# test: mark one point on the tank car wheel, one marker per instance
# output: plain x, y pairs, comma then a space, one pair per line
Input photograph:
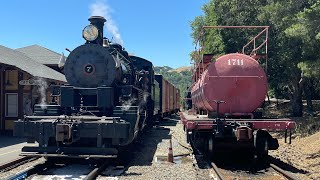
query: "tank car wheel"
188, 136
210, 147
261, 145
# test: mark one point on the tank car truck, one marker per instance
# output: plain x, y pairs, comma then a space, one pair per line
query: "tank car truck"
225, 95
107, 102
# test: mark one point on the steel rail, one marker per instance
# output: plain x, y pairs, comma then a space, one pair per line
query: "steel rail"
28, 171
216, 170
96, 171
282, 172
16, 162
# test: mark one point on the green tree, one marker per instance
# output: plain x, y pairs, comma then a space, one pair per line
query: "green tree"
293, 39
289, 48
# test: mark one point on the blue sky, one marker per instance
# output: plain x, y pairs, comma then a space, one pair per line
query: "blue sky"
156, 30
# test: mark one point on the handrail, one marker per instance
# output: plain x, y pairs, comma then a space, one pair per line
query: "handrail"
256, 49
253, 40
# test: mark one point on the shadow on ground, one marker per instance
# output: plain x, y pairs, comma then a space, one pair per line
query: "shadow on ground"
9, 141
170, 121
242, 162
286, 166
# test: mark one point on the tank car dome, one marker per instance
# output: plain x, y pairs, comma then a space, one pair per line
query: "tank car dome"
90, 65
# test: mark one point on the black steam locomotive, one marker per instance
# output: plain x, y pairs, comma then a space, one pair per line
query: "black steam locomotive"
108, 100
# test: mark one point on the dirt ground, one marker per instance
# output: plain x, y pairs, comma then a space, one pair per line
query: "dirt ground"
304, 151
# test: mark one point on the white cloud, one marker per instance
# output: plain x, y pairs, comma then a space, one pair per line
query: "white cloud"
101, 8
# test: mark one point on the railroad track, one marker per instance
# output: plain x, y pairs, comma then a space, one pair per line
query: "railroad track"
15, 163
109, 168
53, 168
50, 170
268, 169
96, 171
32, 169
225, 174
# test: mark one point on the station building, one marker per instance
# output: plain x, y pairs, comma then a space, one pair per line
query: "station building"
25, 77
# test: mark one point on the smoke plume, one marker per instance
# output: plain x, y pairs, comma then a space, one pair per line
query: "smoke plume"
101, 8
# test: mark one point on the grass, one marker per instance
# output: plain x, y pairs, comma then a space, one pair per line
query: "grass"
305, 126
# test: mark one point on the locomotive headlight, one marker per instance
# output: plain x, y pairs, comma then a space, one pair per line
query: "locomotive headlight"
90, 33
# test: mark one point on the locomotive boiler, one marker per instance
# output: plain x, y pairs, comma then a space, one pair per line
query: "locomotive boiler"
107, 102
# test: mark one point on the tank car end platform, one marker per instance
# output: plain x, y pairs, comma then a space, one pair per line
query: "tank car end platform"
214, 134
193, 121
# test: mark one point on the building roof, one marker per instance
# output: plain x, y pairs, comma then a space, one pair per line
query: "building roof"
25, 63
41, 54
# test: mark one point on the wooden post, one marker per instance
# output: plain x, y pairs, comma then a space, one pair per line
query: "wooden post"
20, 95
285, 136
170, 153
290, 133
2, 98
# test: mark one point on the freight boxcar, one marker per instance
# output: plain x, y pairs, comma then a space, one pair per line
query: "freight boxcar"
172, 98
177, 108
167, 98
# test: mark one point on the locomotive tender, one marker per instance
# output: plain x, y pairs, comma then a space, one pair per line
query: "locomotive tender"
109, 99
225, 95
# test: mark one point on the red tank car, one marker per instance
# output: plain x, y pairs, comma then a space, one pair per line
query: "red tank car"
237, 79
224, 97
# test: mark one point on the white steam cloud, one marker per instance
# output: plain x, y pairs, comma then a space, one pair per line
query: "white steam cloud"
125, 105
101, 8
42, 90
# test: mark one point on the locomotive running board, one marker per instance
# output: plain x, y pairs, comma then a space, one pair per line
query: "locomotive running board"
71, 152
67, 156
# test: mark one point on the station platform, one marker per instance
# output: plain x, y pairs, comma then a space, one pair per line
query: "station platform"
10, 148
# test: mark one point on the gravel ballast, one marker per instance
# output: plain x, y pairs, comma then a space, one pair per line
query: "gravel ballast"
149, 161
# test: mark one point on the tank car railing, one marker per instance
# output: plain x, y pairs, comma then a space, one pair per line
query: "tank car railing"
253, 41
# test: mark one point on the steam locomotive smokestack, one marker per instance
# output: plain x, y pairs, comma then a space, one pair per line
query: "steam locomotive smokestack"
98, 21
